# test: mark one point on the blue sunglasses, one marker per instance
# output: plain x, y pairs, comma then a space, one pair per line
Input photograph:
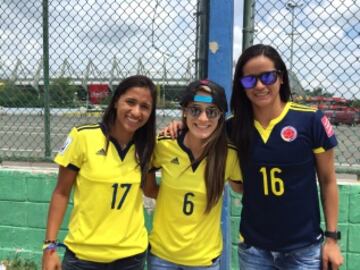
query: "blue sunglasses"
266, 78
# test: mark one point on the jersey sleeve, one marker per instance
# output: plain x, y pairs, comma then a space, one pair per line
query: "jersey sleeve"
233, 166
324, 135
72, 152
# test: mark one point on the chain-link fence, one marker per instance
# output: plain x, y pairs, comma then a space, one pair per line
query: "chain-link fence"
81, 50
320, 42
87, 47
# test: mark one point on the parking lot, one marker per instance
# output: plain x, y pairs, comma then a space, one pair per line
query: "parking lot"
22, 135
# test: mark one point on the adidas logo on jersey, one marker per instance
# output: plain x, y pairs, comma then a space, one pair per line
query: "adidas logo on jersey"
101, 152
175, 161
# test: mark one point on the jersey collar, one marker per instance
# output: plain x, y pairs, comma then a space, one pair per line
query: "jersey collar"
180, 140
121, 152
266, 132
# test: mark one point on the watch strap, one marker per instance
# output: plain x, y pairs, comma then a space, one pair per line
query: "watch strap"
336, 235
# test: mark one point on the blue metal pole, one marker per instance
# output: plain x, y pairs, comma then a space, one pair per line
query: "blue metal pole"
221, 24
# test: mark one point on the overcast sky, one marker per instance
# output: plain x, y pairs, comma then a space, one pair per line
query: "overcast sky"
155, 36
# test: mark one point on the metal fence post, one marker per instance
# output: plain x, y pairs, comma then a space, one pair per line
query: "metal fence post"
46, 78
226, 228
248, 24
202, 36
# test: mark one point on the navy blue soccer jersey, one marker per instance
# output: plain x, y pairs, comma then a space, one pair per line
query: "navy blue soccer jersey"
280, 200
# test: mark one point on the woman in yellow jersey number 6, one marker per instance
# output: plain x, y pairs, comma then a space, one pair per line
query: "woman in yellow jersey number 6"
105, 164
186, 230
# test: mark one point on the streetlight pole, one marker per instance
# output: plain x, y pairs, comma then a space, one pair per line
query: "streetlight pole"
291, 5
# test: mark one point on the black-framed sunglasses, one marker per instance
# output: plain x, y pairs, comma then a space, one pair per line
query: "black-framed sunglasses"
267, 78
211, 112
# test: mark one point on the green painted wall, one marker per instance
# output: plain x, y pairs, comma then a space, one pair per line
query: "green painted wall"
24, 198
24, 201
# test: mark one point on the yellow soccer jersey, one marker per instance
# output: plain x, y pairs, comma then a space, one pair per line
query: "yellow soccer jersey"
182, 233
107, 221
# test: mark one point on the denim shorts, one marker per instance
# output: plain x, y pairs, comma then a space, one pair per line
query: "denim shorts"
305, 258
71, 262
156, 263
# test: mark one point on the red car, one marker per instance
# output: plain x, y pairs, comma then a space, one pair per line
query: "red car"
337, 109
347, 117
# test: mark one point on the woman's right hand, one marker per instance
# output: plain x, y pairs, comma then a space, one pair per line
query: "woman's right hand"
172, 129
51, 260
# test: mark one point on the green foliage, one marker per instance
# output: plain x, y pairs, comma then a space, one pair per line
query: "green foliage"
81, 94
168, 104
63, 94
18, 263
12, 95
355, 103
318, 91
106, 101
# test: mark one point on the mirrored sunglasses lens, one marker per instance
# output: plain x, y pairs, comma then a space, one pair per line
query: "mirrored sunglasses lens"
248, 81
268, 78
195, 112
212, 113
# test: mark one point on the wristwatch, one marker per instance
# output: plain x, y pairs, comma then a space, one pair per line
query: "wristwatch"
336, 235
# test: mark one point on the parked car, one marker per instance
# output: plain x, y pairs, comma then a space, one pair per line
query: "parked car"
337, 109
346, 117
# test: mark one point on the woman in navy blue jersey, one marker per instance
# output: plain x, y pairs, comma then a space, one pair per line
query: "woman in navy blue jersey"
283, 147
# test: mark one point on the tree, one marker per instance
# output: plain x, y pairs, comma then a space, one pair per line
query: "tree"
318, 91
13, 95
355, 103
63, 94
295, 84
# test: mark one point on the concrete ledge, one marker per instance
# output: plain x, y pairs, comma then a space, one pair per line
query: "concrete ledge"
33, 167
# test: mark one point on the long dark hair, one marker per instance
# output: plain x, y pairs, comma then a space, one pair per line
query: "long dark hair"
144, 137
242, 126
215, 150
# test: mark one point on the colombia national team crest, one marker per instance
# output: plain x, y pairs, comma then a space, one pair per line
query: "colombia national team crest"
288, 133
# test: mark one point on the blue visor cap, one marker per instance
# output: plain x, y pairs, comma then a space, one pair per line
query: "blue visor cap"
216, 91
204, 99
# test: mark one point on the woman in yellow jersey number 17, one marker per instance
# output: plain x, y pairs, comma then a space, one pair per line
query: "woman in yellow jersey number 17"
106, 165
186, 230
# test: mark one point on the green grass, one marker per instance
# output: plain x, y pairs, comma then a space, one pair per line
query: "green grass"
18, 263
